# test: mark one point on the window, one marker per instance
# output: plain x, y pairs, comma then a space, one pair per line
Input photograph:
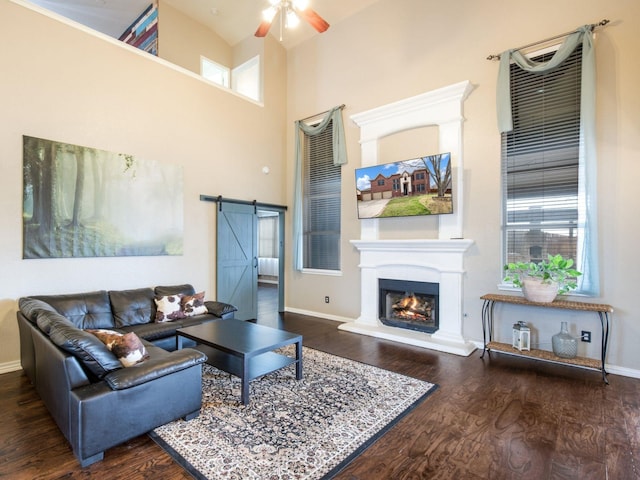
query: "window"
245, 79
540, 163
321, 200
214, 72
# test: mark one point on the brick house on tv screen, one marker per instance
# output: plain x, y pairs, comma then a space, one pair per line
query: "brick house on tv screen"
401, 184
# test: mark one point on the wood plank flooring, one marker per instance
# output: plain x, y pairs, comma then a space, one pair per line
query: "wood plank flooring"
491, 418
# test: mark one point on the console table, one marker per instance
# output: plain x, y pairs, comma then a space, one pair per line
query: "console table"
602, 310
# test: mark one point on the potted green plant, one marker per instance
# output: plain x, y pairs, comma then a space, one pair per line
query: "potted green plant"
543, 281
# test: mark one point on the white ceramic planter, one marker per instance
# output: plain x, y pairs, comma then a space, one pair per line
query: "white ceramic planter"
535, 291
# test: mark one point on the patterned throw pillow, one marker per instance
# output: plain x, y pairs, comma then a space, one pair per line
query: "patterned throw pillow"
169, 308
128, 348
193, 305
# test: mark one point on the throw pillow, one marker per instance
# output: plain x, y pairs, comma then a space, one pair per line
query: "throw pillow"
169, 308
128, 348
193, 304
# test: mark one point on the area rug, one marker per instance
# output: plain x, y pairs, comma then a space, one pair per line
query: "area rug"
291, 429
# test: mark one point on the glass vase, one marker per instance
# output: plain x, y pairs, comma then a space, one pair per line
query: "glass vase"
564, 344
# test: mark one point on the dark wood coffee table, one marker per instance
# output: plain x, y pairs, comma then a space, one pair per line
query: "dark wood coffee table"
243, 349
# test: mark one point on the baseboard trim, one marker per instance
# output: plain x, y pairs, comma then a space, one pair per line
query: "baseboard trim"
326, 316
10, 367
612, 369
623, 371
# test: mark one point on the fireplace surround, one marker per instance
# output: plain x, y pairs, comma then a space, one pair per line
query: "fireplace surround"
428, 260
439, 261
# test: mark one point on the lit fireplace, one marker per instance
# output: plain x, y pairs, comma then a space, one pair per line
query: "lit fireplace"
408, 304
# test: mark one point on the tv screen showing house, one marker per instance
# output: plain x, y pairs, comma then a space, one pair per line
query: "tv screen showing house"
419, 186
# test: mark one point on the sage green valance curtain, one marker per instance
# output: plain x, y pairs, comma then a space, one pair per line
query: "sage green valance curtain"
587, 171
588, 83
333, 117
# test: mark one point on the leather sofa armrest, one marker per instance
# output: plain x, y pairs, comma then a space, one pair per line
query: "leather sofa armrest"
220, 309
154, 368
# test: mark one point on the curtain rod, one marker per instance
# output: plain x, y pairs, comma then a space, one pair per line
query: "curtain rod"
321, 113
602, 23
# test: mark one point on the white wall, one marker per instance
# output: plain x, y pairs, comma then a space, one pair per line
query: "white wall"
400, 48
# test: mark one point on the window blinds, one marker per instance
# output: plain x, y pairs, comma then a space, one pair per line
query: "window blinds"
540, 162
322, 181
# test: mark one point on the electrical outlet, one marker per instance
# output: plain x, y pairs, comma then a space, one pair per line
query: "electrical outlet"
326, 299
585, 336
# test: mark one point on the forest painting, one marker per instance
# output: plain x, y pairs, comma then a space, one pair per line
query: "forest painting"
84, 202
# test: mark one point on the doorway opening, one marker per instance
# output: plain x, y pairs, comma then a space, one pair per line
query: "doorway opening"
269, 267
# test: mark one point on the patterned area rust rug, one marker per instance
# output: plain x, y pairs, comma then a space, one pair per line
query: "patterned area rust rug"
292, 429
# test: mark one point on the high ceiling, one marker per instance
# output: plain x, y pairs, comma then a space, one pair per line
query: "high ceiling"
233, 20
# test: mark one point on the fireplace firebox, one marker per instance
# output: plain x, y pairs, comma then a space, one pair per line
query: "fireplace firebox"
409, 304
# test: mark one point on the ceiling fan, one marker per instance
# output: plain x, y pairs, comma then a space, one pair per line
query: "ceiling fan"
290, 12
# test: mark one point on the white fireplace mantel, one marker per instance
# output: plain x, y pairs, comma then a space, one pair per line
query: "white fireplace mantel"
435, 261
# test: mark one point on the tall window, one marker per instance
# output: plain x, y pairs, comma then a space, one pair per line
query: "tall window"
321, 199
540, 163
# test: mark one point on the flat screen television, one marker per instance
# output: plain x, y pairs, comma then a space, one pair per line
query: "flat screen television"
419, 186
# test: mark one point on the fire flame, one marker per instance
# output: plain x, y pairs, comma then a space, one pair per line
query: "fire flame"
411, 307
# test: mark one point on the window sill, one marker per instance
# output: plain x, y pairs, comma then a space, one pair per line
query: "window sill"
331, 273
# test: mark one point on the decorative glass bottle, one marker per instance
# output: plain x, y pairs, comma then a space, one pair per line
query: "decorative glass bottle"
564, 344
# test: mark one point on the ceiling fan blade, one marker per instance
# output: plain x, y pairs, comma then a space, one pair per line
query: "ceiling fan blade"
315, 20
263, 28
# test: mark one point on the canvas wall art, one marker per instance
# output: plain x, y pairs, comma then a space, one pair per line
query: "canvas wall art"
85, 202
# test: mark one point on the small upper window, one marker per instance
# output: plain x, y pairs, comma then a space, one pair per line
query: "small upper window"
245, 79
214, 72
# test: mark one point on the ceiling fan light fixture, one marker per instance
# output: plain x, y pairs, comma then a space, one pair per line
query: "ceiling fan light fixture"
301, 4
291, 12
269, 13
292, 19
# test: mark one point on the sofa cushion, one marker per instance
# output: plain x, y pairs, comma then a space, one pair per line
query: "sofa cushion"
84, 310
169, 308
91, 352
192, 305
153, 331
132, 307
184, 289
127, 347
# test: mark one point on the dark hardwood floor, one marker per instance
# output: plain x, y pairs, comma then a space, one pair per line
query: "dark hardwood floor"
491, 418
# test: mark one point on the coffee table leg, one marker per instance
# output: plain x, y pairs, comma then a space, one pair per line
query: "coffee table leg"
245, 381
299, 360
